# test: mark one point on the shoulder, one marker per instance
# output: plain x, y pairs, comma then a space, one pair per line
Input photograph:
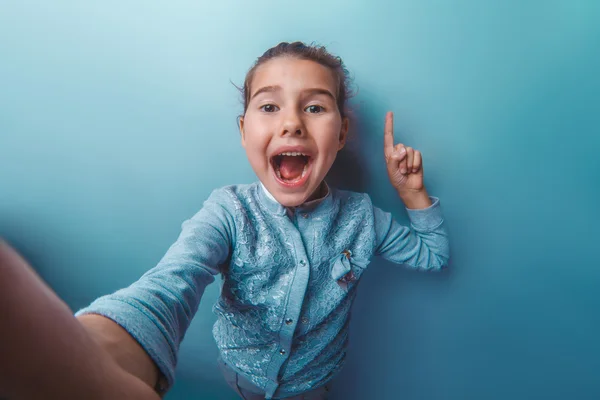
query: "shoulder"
352, 199
232, 195
222, 208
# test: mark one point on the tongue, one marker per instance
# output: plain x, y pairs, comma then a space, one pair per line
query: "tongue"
291, 167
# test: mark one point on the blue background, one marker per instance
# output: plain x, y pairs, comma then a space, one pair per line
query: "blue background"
118, 118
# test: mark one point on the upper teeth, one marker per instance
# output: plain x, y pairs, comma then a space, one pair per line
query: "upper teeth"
292, 153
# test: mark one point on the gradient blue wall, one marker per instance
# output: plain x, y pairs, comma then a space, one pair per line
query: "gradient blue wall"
117, 119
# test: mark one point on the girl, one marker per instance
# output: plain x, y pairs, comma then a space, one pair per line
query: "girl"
290, 251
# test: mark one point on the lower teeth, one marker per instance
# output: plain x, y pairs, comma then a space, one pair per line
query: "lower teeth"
278, 173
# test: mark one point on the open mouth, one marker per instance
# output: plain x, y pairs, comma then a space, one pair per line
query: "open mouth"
291, 167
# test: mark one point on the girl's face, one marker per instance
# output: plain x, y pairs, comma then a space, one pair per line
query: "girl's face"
292, 129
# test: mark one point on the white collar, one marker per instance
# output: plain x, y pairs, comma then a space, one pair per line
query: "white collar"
311, 203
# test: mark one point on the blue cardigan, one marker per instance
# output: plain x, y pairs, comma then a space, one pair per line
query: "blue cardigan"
288, 281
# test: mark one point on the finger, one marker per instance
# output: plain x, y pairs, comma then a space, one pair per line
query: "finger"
418, 161
400, 149
388, 138
397, 156
410, 155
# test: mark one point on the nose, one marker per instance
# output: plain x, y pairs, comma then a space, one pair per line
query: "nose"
292, 124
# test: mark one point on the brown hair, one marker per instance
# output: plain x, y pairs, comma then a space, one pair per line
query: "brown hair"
316, 53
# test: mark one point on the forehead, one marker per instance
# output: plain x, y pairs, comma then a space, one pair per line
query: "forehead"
293, 74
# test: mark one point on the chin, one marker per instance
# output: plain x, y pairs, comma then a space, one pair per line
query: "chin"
295, 192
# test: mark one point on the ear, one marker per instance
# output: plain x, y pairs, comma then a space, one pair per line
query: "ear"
343, 133
241, 126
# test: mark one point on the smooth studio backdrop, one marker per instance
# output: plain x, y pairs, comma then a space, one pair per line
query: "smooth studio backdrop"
117, 119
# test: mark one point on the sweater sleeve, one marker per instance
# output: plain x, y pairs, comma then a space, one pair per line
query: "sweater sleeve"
422, 245
158, 308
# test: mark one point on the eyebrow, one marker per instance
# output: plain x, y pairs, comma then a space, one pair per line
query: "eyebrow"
312, 91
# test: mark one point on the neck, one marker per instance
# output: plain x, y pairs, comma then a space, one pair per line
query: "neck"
318, 193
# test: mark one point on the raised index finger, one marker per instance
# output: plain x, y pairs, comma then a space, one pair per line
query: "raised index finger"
388, 138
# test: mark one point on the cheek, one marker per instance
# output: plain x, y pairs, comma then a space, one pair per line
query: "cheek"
331, 139
329, 149
256, 147
256, 122
327, 128
256, 129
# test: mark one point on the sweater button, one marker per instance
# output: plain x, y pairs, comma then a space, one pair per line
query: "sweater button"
289, 321
282, 351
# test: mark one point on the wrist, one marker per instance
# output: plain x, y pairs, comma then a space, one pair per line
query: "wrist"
415, 199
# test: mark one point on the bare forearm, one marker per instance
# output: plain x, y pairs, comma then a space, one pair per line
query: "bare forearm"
416, 200
46, 352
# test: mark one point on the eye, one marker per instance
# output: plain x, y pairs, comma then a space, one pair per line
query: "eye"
314, 109
269, 108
